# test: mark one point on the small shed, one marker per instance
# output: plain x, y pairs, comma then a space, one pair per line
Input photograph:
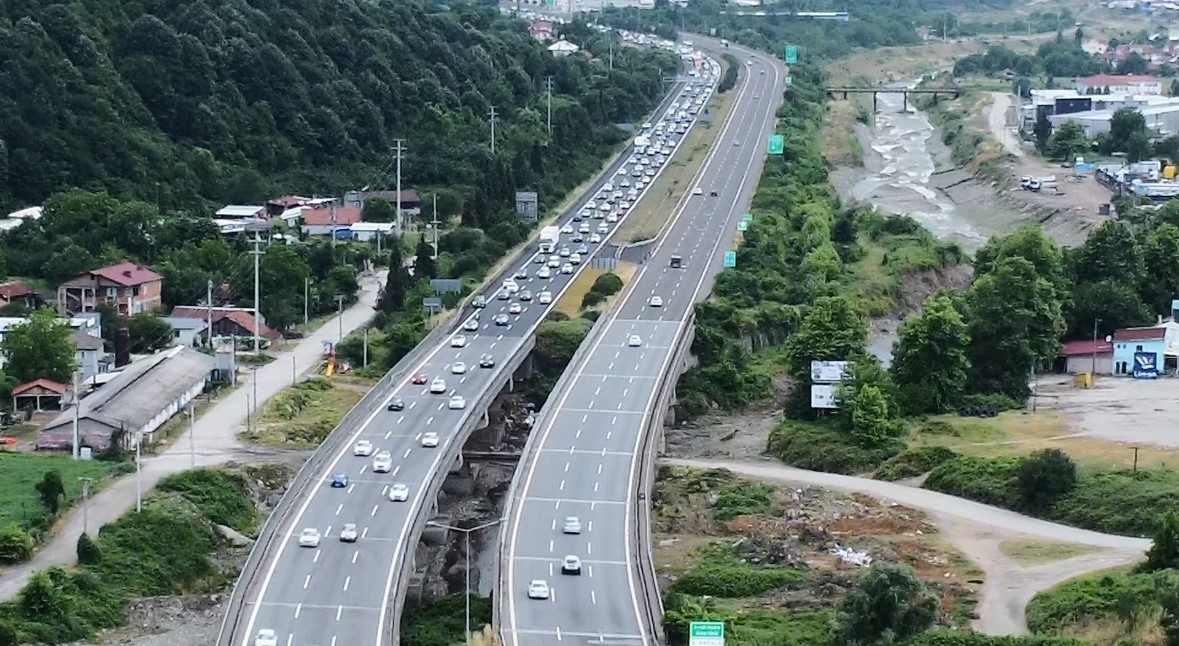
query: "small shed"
39, 394
1084, 356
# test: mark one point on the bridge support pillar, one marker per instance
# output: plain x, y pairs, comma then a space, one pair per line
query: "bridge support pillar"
458, 463
874, 108
904, 101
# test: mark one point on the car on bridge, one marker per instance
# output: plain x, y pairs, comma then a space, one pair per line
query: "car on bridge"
487, 361
419, 379
399, 492
538, 589
472, 325
572, 525
571, 565
339, 481
309, 537
383, 463
458, 402
363, 448
458, 341
397, 404
634, 341
430, 440
458, 368
349, 533
266, 637
438, 386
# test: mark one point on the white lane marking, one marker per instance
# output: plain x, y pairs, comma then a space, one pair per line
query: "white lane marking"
339, 611
339, 508
355, 555
347, 582
306, 581
375, 508
298, 609
315, 559
406, 455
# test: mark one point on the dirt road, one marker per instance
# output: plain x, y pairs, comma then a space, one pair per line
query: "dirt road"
997, 119
976, 529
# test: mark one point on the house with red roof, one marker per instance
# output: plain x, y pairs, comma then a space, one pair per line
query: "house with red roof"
129, 287
18, 292
1081, 357
227, 321
324, 220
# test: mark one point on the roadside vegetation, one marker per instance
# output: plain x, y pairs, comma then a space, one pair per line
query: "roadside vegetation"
441, 622
171, 547
304, 414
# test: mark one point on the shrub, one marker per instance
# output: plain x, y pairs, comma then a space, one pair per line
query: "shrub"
740, 499
734, 581
592, 298
821, 448
607, 284
962, 638
1119, 502
219, 495
8, 636
986, 480
441, 622
1114, 594
15, 545
88, 551
887, 604
1044, 477
1164, 550
914, 462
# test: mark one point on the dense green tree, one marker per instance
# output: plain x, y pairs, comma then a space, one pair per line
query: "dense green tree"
1160, 259
930, 364
149, 332
379, 210
397, 283
1068, 141
1164, 548
1014, 319
1111, 253
886, 606
832, 330
1028, 243
1116, 305
40, 348
1044, 477
424, 265
50, 489
281, 272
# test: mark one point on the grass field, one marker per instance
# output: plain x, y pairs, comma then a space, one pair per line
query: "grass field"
19, 502
570, 303
1021, 433
652, 212
304, 414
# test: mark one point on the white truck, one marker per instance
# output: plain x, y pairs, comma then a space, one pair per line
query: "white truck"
549, 237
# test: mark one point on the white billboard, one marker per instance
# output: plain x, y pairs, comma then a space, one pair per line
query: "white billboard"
824, 396
828, 372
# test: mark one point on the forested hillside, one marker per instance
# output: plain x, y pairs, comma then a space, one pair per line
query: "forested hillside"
189, 104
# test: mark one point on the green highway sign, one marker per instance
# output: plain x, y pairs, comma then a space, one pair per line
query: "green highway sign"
706, 633
748, 217
743, 226
791, 54
730, 258
777, 144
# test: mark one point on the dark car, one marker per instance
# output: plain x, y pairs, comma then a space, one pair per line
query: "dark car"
339, 481
577, 238
712, 193
397, 404
487, 361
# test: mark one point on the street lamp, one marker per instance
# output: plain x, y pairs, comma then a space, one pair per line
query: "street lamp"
1093, 368
467, 538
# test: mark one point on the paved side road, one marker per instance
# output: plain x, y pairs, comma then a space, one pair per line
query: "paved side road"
976, 529
215, 440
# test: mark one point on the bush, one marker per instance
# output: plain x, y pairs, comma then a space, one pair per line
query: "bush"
219, 495
1113, 595
441, 622
592, 298
88, 551
911, 463
961, 638
1043, 477
734, 581
818, 447
8, 636
887, 604
741, 499
1164, 550
986, 480
15, 545
1119, 502
607, 284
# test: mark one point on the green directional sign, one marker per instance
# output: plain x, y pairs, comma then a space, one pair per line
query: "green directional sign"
791, 54
777, 144
706, 633
742, 226
730, 258
747, 218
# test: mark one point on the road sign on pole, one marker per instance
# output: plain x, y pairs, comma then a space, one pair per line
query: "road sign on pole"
706, 633
730, 258
791, 54
747, 218
777, 144
743, 226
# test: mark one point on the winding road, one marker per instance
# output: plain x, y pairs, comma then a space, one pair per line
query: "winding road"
974, 528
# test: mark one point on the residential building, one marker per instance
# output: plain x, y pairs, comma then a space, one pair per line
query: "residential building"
91, 357
563, 48
188, 332
228, 321
137, 402
18, 292
325, 221
241, 211
369, 231
541, 30
1080, 357
89, 325
1137, 349
411, 201
1116, 84
129, 287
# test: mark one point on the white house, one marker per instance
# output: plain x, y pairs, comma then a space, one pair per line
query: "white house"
1120, 84
563, 48
368, 231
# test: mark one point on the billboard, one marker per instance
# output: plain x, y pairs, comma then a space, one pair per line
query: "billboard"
824, 395
828, 372
1146, 365
526, 205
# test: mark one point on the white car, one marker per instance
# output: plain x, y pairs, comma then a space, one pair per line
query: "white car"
458, 341
612, 218
383, 462
566, 268
655, 301
565, 251
554, 262
545, 298
595, 239
575, 259
568, 228
583, 229
515, 308
309, 537
430, 440
544, 273
266, 637
538, 589
349, 534
457, 403
512, 286
438, 386
634, 341
697, 191
399, 492
458, 368
471, 325
363, 448
572, 525
571, 565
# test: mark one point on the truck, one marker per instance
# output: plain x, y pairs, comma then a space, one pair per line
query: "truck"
549, 236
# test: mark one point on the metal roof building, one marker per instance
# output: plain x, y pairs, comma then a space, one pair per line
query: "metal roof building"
139, 400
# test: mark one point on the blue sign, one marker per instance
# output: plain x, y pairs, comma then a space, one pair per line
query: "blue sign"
1146, 365
731, 261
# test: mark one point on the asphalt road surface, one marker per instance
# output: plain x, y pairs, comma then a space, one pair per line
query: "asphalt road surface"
588, 452
338, 594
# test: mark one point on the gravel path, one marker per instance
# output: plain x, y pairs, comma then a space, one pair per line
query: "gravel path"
977, 530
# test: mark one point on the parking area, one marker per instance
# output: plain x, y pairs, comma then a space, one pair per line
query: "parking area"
1116, 409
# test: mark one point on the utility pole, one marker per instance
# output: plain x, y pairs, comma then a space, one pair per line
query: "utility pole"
209, 311
493, 131
138, 474
610, 40
435, 225
306, 299
366, 347
397, 221
192, 436
340, 315
548, 85
257, 312
467, 531
1093, 368
86, 503
77, 407
335, 219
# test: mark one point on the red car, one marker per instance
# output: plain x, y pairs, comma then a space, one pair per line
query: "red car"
419, 379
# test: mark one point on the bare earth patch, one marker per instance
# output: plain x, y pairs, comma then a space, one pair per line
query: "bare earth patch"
1026, 551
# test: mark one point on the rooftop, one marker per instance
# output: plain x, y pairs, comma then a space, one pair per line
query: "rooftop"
83, 341
142, 390
1085, 347
240, 211
1140, 333
51, 386
15, 289
1114, 79
127, 274
344, 216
